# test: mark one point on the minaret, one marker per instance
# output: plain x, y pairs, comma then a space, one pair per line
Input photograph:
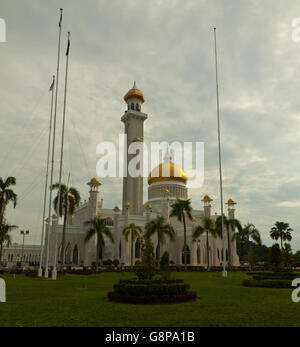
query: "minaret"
133, 120
91, 245
233, 257
207, 206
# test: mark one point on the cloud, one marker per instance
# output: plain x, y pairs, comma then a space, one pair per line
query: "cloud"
167, 47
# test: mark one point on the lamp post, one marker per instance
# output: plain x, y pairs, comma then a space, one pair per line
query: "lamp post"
24, 233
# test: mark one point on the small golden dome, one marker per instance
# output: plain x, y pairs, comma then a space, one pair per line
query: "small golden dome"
54, 215
149, 206
174, 172
94, 180
116, 209
207, 197
134, 93
231, 202
127, 204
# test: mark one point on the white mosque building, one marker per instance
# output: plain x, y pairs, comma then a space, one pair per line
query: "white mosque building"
162, 191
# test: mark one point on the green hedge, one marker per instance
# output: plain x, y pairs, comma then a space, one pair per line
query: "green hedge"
267, 283
150, 289
279, 278
271, 273
136, 281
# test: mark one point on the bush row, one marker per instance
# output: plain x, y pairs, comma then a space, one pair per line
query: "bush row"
161, 299
267, 283
271, 273
279, 278
136, 281
151, 289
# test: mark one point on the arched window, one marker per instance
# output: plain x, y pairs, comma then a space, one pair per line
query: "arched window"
198, 255
137, 249
75, 255
137, 107
132, 106
68, 254
222, 255
120, 249
218, 254
226, 254
188, 255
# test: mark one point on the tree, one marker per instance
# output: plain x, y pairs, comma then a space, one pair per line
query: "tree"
180, 208
244, 235
208, 227
99, 227
5, 238
281, 231
164, 265
148, 267
229, 223
7, 195
69, 200
135, 231
287, 256
275, 257
161, 228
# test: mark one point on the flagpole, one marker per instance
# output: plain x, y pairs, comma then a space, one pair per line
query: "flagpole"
53, 150
40, 271
224, 272
54, 272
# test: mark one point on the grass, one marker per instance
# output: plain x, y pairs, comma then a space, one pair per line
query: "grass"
82, 301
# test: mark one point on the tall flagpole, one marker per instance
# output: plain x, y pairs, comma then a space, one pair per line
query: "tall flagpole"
40, 271
224, 272
54, 272
53, 151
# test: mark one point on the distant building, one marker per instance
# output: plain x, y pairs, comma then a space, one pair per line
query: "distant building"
15, 254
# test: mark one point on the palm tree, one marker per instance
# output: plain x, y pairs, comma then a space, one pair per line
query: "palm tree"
180, 208
6, 195
281, 231
208, 227
161, 228
4, 236
98, 226
135, 231
245, 234
229, 223
69, 200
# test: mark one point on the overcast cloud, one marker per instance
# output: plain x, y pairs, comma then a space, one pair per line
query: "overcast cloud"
167, 47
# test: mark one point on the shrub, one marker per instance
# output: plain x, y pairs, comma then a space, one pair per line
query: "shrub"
108, 262
116, 262
153, 281
163, 299
267, 283
150, 289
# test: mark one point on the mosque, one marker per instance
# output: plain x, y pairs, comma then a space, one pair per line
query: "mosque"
162, 191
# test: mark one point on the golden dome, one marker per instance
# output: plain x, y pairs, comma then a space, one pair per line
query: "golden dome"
127, 204
207, 197
134, 93
174, 172
231, 202
94, 180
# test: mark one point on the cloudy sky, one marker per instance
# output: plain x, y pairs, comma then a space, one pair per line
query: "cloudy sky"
167, 47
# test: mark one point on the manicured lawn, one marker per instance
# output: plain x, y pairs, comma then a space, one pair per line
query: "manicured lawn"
82, 301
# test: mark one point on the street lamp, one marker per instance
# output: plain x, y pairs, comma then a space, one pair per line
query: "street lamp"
24, 233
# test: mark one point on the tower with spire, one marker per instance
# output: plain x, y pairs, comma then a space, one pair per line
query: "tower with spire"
133, 120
